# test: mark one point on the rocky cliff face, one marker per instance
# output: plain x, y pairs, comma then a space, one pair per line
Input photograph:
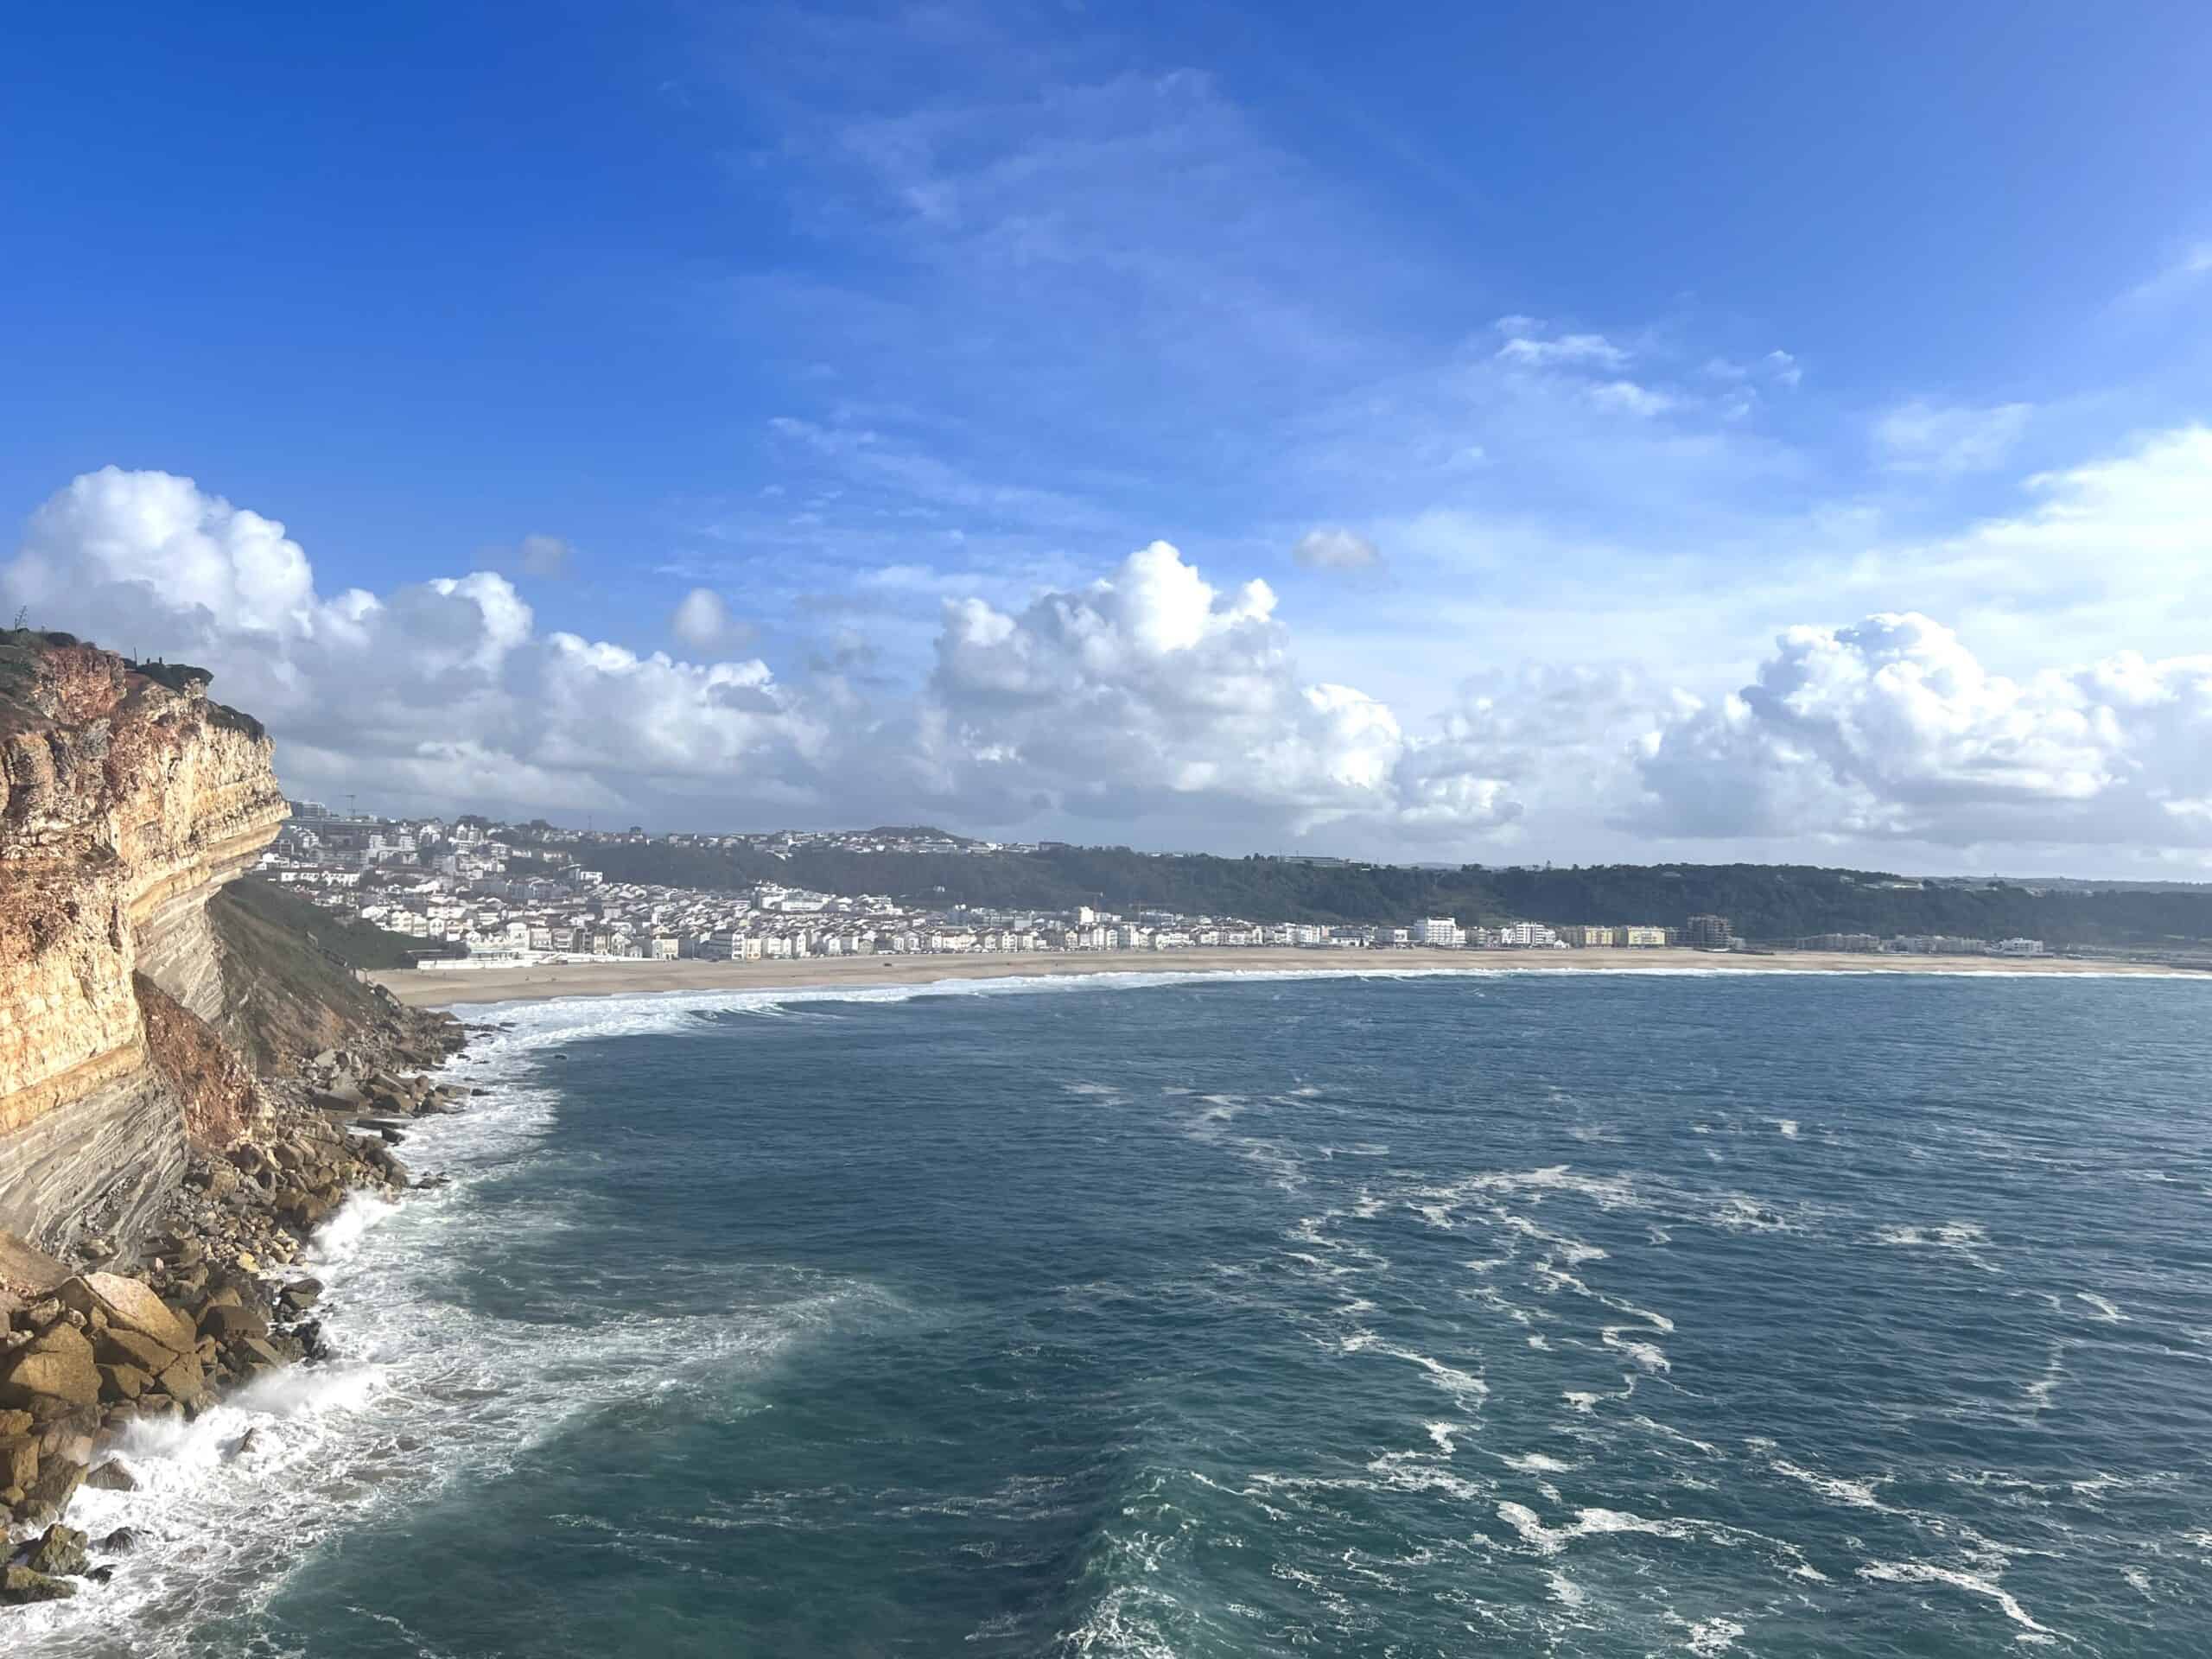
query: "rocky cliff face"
126, 798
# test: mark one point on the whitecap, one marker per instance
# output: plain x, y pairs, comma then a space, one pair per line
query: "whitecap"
1665, 1432
1563, 1590
1650, 1358
2040, 1391
1595, 1523
1965, 1239
1924, 1573
1709, 1636
1853, 1494
1537, 1463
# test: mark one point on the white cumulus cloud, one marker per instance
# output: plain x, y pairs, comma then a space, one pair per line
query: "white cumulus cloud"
1152, 685
1892, 727
1148, 689
445, 690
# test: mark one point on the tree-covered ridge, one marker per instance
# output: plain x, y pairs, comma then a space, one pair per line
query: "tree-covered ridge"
1763, 902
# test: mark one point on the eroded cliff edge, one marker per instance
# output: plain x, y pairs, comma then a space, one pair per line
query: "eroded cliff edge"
127, 799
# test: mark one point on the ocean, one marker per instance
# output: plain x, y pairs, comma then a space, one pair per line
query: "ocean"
1582, 1314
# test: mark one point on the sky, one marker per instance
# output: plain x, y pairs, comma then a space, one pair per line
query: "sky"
1503, 434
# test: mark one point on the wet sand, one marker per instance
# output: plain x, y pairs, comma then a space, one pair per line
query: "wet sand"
538, 982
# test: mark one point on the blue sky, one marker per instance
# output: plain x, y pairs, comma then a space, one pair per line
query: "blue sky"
1582, 382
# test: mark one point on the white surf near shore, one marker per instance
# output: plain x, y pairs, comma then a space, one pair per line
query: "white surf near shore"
424, 1392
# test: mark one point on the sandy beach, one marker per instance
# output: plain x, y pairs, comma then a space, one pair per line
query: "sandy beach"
538, 982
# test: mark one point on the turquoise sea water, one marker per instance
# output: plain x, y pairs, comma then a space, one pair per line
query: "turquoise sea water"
1605, 1315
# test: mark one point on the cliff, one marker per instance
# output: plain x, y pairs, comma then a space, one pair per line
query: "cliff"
126, 799
189, 1088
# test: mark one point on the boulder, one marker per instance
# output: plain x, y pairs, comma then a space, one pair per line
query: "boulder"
20, 1586
128, 1304
60, 1552
304, 1210
72, 1435
220, 1179
299, 1296
15, 1422
45, 1498
123, 1381
19, 1461
256, 1353
112, 1477
57, 1366
183, 1380
24, 1264
119, 1347
121, 1541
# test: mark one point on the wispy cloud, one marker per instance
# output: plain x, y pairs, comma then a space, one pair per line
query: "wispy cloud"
1332, 547
2180, 275
1946, 439
1524, 345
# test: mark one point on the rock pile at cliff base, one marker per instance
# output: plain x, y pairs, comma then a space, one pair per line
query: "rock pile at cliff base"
211, 1300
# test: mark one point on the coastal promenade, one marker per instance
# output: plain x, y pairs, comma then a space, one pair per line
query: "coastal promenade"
538, 982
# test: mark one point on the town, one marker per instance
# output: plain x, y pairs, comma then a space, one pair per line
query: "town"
480, 893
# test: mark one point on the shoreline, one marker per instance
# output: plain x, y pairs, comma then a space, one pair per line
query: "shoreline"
547, 982
123, 1351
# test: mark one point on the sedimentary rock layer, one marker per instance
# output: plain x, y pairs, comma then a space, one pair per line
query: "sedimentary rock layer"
126, 798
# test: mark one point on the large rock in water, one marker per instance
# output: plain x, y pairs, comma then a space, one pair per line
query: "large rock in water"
20, 1586
130, 1304
57, 1366
49, 1495
59, 1552
113, 1476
